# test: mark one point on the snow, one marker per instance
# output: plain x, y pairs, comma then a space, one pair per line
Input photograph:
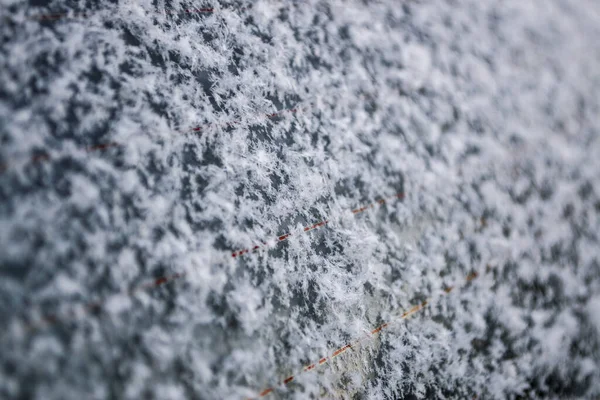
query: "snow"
142, 145
593, 311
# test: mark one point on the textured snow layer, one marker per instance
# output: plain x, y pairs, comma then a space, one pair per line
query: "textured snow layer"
139, 141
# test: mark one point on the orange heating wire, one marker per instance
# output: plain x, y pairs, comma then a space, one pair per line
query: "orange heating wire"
286, 236
369, 336
197, 129
51, 319
110, 145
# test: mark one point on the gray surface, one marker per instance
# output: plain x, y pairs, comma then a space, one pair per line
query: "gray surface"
486, 114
